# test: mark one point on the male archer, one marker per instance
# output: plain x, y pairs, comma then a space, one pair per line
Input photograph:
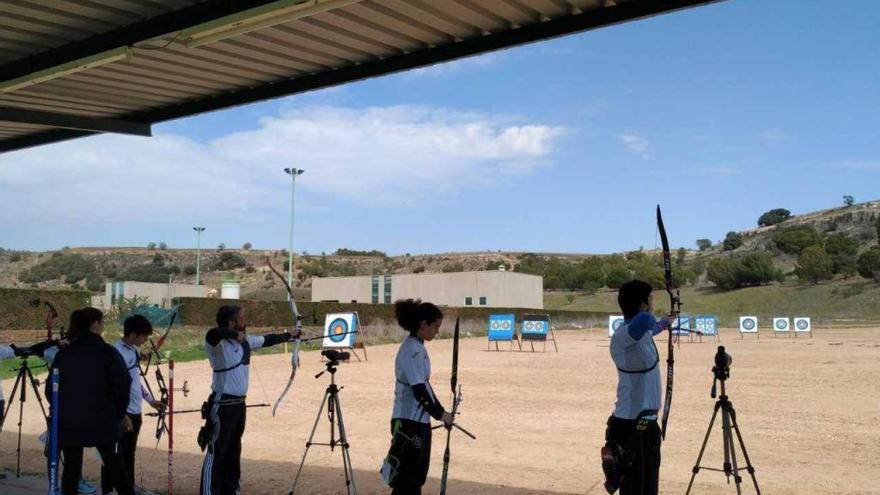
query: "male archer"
229, 352
631, 455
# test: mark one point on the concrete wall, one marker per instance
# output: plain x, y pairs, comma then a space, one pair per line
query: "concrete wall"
500, 289
160, 294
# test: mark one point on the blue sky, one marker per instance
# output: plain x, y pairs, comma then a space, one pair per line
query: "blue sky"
718, 113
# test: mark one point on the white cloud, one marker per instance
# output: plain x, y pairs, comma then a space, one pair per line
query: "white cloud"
636, 143
390, 156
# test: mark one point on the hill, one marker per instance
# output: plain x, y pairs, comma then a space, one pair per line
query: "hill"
813, 258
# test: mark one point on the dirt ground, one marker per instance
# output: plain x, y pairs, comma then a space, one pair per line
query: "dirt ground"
809, 410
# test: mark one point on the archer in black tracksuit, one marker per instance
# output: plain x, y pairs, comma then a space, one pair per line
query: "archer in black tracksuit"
229, 352
92, 398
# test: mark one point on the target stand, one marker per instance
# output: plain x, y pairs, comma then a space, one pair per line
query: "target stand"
537, 328
748, 324
343, 331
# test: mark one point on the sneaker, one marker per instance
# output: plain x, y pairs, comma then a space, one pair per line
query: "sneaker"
86, 487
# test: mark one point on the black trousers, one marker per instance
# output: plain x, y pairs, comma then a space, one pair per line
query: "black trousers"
126, 448
642, 443
72, 472
221, 470
411, 447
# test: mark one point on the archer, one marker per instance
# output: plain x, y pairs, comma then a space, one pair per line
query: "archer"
631, 455
229, 352
406, 465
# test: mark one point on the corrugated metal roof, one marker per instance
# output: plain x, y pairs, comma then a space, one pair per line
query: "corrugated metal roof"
166, 79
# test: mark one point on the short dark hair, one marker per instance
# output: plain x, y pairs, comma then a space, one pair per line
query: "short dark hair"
631, 296
411, 313
138, 325
226, 314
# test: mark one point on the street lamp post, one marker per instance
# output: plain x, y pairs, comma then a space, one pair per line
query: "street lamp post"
292, 172
199, 231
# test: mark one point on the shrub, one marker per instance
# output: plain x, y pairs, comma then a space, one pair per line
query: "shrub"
795, 239
704, 244
869, 263
814, 265
773, 217
617, 276
189, 270
732, 241
70, 267
751, 269
848, 200
151, 246
229, 261
163, 246
247, 246
15, 257
453, 267
147, 273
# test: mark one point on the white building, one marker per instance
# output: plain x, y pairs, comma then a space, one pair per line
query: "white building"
160, 294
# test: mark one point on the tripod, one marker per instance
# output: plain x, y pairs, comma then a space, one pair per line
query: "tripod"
24, 372
334, 415
728, 420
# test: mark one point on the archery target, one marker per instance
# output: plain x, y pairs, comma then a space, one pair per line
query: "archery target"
535, 327
501, 327
614, 322
338, 328
748, 324
781, 325
681, 325
803, 324
707, 324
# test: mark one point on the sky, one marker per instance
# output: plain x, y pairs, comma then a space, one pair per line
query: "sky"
718, 113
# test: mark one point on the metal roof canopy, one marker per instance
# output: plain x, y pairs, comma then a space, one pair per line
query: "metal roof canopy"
70, 69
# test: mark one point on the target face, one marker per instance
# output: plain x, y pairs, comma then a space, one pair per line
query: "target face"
501, 327
781, 324
338, 330
802, 324
614, 322
748, 324
529, 326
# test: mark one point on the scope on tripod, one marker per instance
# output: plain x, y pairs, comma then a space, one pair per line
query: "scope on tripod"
336, 356
723, 360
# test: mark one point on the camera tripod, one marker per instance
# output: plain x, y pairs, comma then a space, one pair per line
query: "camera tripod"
334, 415
728, 420
24, 377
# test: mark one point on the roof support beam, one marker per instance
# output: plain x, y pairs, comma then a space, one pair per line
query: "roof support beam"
131, 35
75, 122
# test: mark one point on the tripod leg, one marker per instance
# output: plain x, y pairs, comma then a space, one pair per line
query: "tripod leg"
11, 399
308, 444
742, 445
36, 386
696, 468
346, 457
730, 466
22, 399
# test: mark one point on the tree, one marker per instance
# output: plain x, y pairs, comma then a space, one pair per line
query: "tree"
617, 276
722, 272
680, 255
757, 269
843, 250
795, 239
221, 246
869, 263
704, 244
848, 200
163, 246
247, 246
814, 265
151, 246
774, 216
732, 241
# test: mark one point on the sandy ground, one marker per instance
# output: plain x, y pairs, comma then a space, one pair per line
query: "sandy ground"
809, 410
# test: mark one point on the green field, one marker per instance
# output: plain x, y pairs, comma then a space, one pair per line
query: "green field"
838, 303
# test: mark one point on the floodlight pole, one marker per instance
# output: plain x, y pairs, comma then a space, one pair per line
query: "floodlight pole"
199, 231
292, 172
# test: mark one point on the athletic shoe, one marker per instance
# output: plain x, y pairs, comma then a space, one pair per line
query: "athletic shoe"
86, 487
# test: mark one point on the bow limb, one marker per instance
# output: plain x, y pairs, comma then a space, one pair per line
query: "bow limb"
297, 332
456, 400
674, 311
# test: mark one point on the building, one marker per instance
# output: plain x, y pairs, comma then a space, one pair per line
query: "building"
499, 289
159, 294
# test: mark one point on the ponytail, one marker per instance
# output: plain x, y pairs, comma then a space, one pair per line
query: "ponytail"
410, 314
